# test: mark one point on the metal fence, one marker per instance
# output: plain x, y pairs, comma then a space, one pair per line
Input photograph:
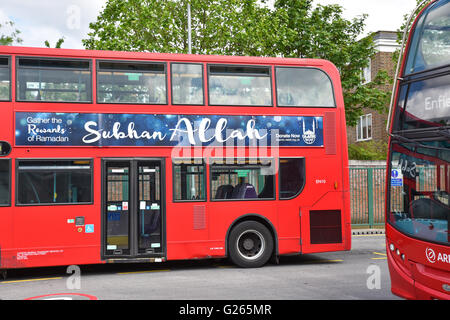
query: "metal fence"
367, 195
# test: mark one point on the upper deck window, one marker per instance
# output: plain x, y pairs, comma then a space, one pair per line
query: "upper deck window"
303, 87
131, 82
53, 80
423, 103
5, 79
239, 85
430, 45
187, 83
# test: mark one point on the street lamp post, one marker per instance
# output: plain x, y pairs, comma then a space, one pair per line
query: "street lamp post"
189, 29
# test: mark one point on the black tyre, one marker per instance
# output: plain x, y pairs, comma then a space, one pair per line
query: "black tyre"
250, 244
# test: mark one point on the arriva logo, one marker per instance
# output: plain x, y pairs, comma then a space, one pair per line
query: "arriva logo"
432, 257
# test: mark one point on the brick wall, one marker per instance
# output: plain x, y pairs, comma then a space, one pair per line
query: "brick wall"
381, 61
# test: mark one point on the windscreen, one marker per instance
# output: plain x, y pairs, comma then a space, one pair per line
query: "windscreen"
430, 43
419, 191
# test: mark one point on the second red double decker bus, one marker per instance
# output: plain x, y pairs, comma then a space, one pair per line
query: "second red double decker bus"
418, 175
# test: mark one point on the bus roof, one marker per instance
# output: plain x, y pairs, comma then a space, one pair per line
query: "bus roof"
107, 54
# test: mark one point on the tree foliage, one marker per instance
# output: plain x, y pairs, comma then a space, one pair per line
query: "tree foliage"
401, 30
58, 43
13, 36
292, 28
368, 150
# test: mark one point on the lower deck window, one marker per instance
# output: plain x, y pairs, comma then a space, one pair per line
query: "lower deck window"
54, 181
292, 177
242, 180
189, 180
5, 182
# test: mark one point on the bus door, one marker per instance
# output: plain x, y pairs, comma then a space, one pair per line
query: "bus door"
133, 208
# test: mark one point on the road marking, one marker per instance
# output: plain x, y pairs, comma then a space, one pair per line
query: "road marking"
30, 280
383, 256
146, 271
224, 267
324, 261
368, 235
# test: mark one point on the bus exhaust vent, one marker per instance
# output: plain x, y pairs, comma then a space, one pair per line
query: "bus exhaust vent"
199, 218
325, 226
329, 132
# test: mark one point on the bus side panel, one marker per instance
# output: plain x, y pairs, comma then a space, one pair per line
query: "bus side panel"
224, 213
324, 227
50, 235
289, 226
6, 212
188, 231
47, 236
5, 236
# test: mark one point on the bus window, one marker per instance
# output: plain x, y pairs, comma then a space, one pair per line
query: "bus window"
430, 45
423, 103
239, 85
419, 195
187, 83
5, 179
59, 80
303, 87
233, 179
292, 177
131, 82
189, 180
5, 79
54, 181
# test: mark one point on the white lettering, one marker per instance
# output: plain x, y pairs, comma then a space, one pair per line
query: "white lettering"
94, 135
442, 102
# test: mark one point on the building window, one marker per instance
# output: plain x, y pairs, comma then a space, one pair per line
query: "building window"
367, 73
364, 128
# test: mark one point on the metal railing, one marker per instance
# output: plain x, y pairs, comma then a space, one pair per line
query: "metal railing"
367, 196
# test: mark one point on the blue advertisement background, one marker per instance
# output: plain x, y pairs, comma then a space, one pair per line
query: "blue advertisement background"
92, 129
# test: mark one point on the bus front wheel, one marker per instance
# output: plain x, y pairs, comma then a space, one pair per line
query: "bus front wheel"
250, 244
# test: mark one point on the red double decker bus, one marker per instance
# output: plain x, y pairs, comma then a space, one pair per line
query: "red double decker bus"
418, 175
117, 156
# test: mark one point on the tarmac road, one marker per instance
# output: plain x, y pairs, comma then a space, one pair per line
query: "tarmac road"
359, 274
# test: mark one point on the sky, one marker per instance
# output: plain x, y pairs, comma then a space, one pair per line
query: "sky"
52, 19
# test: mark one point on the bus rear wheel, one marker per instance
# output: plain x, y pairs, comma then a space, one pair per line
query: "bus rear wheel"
250, 244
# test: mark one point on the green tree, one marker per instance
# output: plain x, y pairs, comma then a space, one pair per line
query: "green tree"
219, 26
57, 45
401, 30
322, 32
13, 36
292, 28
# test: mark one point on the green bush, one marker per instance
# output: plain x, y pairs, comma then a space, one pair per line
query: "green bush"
368, 150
